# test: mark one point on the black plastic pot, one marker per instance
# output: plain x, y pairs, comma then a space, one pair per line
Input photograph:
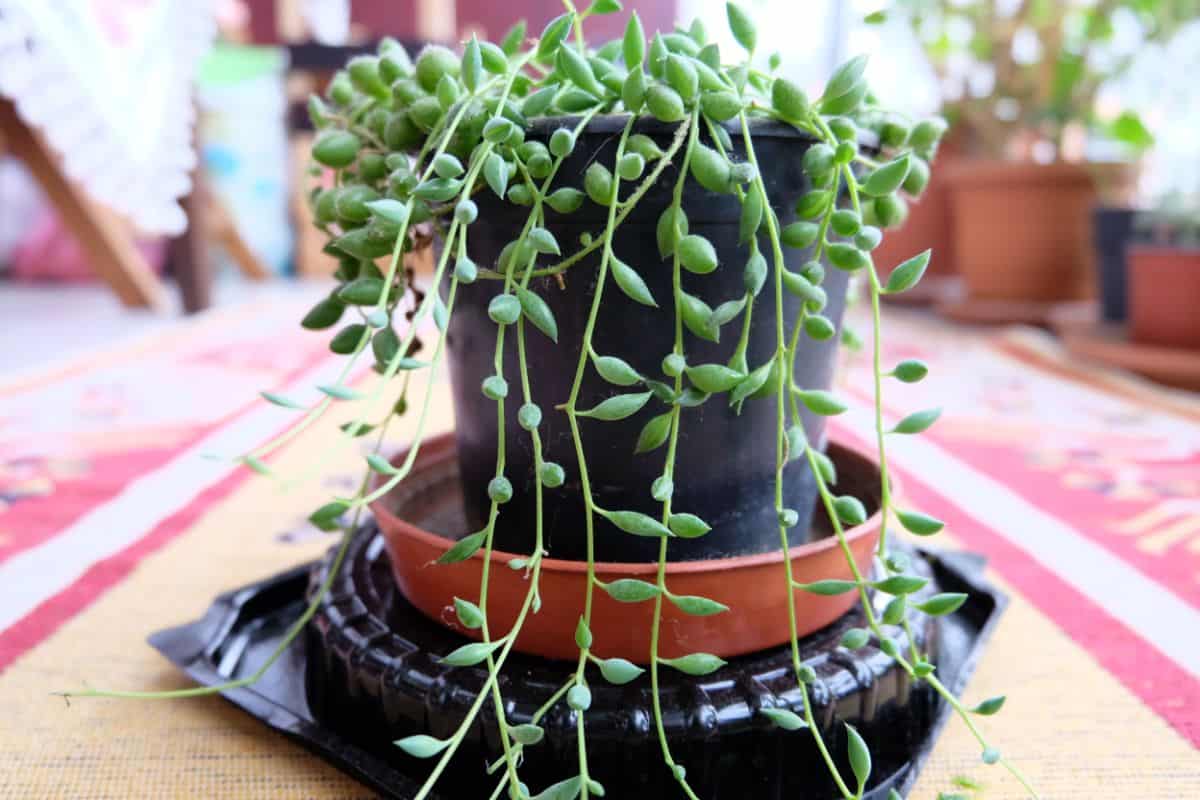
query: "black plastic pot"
726, 462
1112, 228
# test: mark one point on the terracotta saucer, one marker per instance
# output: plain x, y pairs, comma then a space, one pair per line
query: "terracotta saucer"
753, 587
1109, 344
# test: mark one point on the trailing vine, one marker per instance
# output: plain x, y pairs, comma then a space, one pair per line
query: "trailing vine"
411, 143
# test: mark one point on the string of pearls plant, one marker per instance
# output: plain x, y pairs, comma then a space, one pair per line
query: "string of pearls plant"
410, 144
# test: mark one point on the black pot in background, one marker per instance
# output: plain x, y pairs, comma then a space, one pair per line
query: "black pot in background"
725, 463
1112, 228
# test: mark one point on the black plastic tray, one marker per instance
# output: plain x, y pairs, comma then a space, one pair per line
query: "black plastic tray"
244, 626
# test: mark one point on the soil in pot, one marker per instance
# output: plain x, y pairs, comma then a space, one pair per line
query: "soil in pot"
1112, 228
1164, 295
725, 464
1021, 230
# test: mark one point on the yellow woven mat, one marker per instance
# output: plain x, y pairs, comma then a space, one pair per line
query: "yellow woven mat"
1074, 730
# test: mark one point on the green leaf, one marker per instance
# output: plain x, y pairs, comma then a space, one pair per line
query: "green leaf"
789, 100
327, 516
942, 604
697, 254
637, 523
280, 400
672, 225
338, 392
710, 169
845, 77
631, 590
847, 257
910, 371
826, 468
537, 312
751, 217
504, 309
860, 757
633, 45
468, 613
617, 407
989, 706
828, 587
875, 18
513, 38
439, 190
527, 734
901, 584
855, 638
553, 35
654, 433
389, 209
324, 314
908, 274
583, 635
887, 178
631, 282
577, 70
714, 378
616, 370
470, 654
618, 671
361, 292
695, 663
380, 464
850, 510
697, 606
918, 523
783, 718
463, 549
565, 200
347, 339
598, 183
894, 611
1128, 129
495, 172
687, 526
742, 27
421, 746
917, 421
821, 402
579, 697
751, 383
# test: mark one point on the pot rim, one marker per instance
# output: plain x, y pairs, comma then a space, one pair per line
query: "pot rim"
760, 127
442, 447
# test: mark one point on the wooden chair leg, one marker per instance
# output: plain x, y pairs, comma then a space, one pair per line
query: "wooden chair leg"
98, 230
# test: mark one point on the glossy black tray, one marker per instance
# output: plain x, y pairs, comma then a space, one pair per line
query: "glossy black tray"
243, 627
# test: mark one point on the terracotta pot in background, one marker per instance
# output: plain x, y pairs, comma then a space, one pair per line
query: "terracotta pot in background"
1021, 231
1164, 296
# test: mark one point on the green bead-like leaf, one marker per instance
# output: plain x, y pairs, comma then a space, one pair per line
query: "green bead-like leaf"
908, 274
697, 254
894, 611
860, 757
324, 314
537, 312
696, 606
654, 433
819, 327
565, 200
989, 706
389, 209
527, 734
710, 169
695, 663
616, 371
336, 149
828, 587
751, 218
538, 103
637, 523
361, 292
942, 604
495, 172
631, 590
720, 105
617, 407
463, 549
687, 526
800, 234
682, 77
470, 654
910, 371
742, 27
783, 718
918, 421
494, 387
618, 671
633, 89
901, 584
662, 489
855, 638
338, 392
280, 400
918, 523
598, 183
850, 510
583, 635
422, 746
822, 402
714, 378
888, 177
328, 516
576, 68
563, 790
789, 100
644, 146
468, 613
552, 36
504, 309
633, 45
847, 257
630, 282
755, 273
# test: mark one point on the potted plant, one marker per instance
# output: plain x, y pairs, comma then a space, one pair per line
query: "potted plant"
1020, 86
642, 252
1164, 275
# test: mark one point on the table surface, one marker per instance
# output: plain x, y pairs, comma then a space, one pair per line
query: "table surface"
1082, 488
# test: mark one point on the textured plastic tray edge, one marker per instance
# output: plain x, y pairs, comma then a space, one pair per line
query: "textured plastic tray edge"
192, 647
